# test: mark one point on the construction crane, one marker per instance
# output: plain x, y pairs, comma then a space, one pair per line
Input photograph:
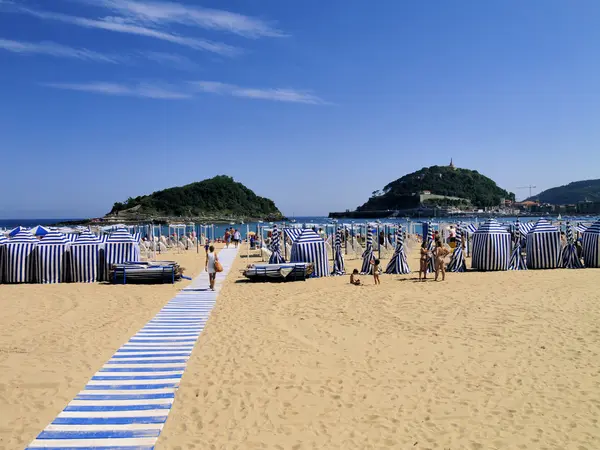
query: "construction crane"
530, 187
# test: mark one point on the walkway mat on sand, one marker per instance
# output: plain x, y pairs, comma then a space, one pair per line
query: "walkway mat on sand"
126, 403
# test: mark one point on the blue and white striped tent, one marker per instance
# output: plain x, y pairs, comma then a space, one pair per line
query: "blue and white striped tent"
543, 246
581, 228
568, 255
338, 259
121, 247
428, 229
367, 256
525, 228
16, 230
398, 264
276, 257
72, 237
18, 258
39, 231
457, 261
309, 247
51, 258
3, 241
491, 247
470, 228
517, 261
591, 245
85, 258
292, 233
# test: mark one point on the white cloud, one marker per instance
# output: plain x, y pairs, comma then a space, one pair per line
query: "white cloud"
146, 90
53, 49
273, 94
122, 26
158, 13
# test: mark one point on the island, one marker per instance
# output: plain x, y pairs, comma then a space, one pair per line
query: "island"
216, 200
431, 191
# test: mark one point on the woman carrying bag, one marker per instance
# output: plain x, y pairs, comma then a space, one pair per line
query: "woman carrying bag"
212, 266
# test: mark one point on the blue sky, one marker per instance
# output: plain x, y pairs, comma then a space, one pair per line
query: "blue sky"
314, 104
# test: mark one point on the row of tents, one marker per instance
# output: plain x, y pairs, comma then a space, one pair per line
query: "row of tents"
55, 258
495, 248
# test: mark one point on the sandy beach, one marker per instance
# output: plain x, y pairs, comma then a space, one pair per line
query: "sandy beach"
482, 361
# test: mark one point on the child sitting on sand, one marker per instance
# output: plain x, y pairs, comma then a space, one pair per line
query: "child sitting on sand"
354, 278
376, 270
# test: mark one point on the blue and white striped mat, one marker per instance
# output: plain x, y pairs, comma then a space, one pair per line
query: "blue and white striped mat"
126, 403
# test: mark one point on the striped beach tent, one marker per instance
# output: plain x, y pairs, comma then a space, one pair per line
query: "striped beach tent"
471, 228
581, 227
428, 229
12, 233
543, 246
3, 241
367, 256
39, 231
51, 258
517, 262
457, 261
568, 255
85, 258
121, 247
591, 245
398, 264
275, 247
338, 262
491, 247
18, 258
292, 233
525, 228
309, 247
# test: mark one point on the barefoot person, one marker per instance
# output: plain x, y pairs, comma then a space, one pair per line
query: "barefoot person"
354, 278
423, 261
209, 266
376, 270
440, 254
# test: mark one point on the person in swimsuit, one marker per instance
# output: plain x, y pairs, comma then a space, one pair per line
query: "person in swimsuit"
209, 266
354, 278
423, 261
440, 254
376, 270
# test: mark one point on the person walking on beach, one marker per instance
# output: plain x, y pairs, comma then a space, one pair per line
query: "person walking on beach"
237, 237
227, 237
440, 265
209, 266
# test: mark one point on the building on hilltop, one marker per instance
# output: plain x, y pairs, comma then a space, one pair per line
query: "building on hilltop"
452, 164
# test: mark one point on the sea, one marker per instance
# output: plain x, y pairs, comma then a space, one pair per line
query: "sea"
218, 230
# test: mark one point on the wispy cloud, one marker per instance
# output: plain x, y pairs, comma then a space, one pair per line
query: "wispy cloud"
146, 90
158, 13
273, 94
53, 49
120, 25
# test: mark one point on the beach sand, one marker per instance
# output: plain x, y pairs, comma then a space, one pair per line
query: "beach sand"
482, 361
53, 338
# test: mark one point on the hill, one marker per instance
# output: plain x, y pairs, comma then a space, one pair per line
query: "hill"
219, 196
578, 191
478, 189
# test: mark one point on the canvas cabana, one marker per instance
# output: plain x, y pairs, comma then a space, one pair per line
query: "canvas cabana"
491, 247
51, 258
398, 264
309, 247
543, 246
591, 245
85, 258
18, 258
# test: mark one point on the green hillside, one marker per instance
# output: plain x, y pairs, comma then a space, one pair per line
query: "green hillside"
440, 180
578, 191
220, 195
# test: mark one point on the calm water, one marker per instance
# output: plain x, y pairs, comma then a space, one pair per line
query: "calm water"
318, 221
